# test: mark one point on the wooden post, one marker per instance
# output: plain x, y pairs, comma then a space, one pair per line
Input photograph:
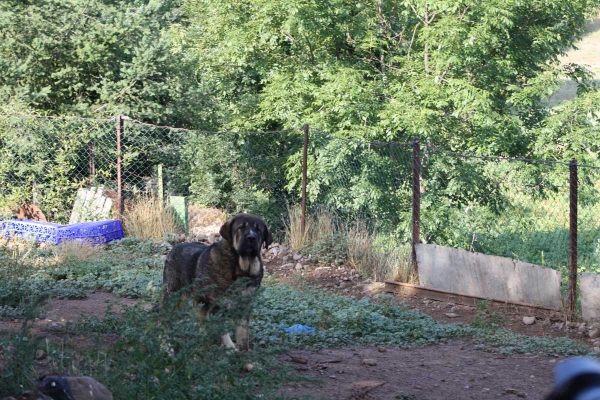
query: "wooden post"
119, 166
573, 239
304, 177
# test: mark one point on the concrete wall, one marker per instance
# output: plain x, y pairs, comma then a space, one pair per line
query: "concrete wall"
491, 277
589, 289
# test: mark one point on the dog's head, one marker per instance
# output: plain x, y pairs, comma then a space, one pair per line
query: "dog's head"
246, 233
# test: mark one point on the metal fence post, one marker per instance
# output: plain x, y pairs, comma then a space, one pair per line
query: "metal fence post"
573, 239
304, 177
92, 160
416, 202
119, 166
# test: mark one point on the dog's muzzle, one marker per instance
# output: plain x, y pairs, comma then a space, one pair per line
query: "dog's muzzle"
250, 243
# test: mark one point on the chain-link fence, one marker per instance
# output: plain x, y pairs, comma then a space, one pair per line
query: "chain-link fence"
44, 161
507, 207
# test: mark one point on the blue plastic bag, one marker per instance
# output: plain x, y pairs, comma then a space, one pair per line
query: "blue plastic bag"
299, 328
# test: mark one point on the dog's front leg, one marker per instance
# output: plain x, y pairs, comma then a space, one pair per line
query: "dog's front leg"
241, 334
227, 342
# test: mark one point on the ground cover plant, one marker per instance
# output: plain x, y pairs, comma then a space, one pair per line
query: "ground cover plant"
172, 353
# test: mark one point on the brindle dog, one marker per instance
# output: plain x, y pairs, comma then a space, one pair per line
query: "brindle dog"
216, 267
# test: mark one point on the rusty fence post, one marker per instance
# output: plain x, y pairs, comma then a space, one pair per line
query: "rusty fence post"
416, 202
119, 167
573, 239
92, 160
304, 177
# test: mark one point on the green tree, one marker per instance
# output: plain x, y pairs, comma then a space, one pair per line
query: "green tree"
469, 74
98, 58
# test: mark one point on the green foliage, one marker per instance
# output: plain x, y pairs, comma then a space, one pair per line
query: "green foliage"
328, 248
129, 268
98, 58
485, 318
469, 74
166, 354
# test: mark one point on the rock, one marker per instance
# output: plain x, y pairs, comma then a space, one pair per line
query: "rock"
453, 309
285, 258
40, 355
80, 388
248, 367
166, 245
288, 265
596, 343
296, 257
559, 325
322, 269
529, 320
370, 362
451, 315
594, 333
299, 267
515, 391
381, 349
583, 327
299, 360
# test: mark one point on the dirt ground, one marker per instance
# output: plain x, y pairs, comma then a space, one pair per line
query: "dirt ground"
450, 371
455, 370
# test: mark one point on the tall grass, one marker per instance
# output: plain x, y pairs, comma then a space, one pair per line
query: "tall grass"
147, 218
373, 255
378, 257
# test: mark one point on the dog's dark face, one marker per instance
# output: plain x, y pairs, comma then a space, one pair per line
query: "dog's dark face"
246, 233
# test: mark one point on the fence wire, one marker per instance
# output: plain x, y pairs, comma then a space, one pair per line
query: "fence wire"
506, 207
44, 161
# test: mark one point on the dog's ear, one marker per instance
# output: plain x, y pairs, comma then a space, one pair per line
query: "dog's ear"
268, 238
225, 230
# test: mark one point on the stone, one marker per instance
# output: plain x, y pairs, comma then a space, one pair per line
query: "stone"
288, 265
248, 367
299, 267
297, 257
40, 355
381, 349
594, 333
370, 362
285, 258
529, 320
299, 360
515, 392
451, 315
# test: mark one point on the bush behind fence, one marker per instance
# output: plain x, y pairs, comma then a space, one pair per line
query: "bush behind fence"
507, 207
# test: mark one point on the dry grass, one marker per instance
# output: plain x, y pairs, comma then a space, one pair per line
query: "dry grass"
205, 216
70, 251
374, 256
147, 218
318, 225
377, 259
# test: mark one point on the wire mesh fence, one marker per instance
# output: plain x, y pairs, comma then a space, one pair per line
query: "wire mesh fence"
504, 207
507, 207
44, 160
